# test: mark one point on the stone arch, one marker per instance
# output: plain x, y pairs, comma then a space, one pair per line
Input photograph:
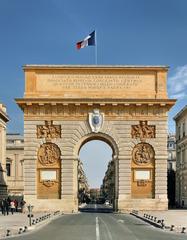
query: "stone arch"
143, 171
115, 149
97, 136
48, 171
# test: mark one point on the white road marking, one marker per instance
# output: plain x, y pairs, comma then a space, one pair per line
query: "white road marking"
97, 229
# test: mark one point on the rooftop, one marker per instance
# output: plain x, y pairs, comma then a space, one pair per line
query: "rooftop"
183, 110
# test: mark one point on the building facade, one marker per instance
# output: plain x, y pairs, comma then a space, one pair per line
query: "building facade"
181, 157
171, 148
14, 164
3, 179
83, 186
108, 186
66, 106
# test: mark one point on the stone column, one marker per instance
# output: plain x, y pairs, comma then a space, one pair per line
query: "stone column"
124, 182
68, 189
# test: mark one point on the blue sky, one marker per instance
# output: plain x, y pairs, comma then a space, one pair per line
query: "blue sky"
142, 32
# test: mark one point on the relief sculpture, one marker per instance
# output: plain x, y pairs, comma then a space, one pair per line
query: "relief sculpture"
143, 130
143, 154
48, 154
48, 130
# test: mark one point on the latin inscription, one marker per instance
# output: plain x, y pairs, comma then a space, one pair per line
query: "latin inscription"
92, 82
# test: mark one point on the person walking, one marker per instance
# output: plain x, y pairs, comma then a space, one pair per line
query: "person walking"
3, 206
7, 206
12, 207
16, 205
22, 204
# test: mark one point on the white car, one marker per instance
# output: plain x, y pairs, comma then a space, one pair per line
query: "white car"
107, 203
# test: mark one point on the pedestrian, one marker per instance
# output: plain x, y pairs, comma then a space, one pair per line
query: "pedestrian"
12, 207
16, 205
7, 206
3, 206
22, 204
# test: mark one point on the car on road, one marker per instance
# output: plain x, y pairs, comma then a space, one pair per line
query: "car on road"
107, 203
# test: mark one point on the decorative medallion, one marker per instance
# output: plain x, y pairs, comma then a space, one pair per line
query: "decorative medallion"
143, 154
141, 183
143, 130
96, 120
48, 154
48, 130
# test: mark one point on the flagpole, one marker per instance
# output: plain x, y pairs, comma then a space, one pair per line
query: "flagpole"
95, 47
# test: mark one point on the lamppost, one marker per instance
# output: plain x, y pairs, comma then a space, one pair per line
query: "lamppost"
30, 215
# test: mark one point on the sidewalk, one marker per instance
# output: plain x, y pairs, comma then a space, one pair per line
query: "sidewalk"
176, 217
20, 220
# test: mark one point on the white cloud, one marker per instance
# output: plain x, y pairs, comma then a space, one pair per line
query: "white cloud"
177, 84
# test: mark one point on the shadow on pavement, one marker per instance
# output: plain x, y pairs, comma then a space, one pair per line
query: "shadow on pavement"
88, 209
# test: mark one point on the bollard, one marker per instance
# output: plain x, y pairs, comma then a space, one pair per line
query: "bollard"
172, 227
33, 222
162, 223
183, 230
155, 219
7, 232
152, 218
25, 229
20, 230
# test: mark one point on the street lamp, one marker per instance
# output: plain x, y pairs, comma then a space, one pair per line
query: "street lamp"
30, 215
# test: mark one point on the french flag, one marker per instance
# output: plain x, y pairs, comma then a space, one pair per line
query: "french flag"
88, 41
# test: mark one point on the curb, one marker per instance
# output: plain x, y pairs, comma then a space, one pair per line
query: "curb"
36, 224
158, 223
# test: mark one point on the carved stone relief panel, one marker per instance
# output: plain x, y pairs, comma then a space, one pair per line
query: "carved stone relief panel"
49, 130
143, 154
143, 130
48, 154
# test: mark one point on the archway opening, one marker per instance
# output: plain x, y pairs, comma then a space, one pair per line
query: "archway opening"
96, 176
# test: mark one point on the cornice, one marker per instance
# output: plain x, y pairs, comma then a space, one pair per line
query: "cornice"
136, 67
91, 101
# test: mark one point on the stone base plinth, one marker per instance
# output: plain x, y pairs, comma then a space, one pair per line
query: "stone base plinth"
66, 205
142, 204
3, 191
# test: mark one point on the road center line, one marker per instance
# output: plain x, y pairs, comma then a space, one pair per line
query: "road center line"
97, 229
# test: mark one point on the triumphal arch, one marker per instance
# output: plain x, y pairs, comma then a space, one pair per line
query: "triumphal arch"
67, 106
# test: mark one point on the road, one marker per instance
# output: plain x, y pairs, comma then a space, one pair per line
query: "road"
98, 225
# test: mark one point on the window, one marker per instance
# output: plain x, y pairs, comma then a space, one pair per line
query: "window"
179, 129
183, 129
170, 166
8, 169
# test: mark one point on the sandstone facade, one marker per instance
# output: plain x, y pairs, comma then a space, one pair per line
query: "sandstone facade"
59, 106
3, 180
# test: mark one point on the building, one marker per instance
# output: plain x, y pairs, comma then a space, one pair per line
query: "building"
95, 194
108, 186
181, 157
66, 106
171, 148
14, 164
3, 179
83, 187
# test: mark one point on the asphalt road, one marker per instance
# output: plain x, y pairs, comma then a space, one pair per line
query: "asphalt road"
98, 225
